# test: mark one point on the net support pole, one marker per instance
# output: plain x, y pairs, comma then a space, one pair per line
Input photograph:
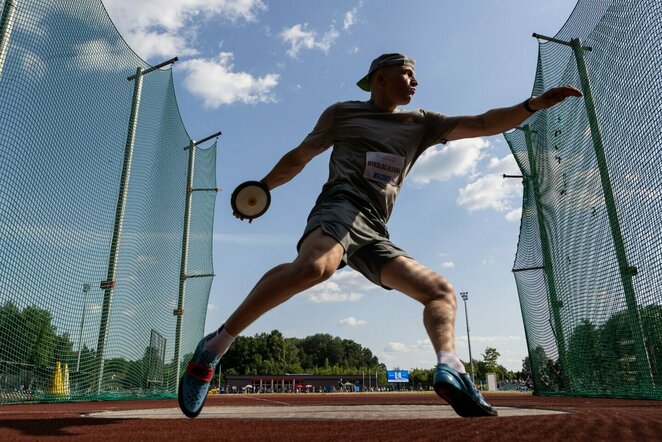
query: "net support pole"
183, 268
109, 284
555, 304
626, 271
6, 26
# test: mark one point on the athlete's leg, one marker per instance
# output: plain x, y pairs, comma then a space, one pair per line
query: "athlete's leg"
318, 258
430, 289
451, 381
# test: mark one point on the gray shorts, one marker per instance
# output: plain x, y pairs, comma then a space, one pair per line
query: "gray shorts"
366, 242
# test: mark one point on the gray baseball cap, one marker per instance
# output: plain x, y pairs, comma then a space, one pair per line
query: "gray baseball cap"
384, 60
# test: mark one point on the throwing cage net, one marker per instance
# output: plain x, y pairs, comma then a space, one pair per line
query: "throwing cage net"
589, 262
106, 212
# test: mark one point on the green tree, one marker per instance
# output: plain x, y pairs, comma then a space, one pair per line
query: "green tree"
12, 332
421, 378
547, 373
587, 358
526, 366
490, 357
271, 353
28, 336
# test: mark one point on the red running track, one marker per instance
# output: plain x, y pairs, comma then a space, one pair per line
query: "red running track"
587, 419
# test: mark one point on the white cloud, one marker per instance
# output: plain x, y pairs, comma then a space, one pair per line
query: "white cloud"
396, 347
352, 321
99, 55
300, 37
506, 165
350, 280
350, 18
448, 265
441, 163
324, 297
493, 191
211, 307
150, 44
174, 14
216, 82
488, 192
514, 215
423, 344
157, 27
343, 286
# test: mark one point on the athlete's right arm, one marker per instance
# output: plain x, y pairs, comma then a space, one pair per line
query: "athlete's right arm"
293, 162
290, 165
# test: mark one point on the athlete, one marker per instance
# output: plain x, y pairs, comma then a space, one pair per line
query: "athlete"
375, 144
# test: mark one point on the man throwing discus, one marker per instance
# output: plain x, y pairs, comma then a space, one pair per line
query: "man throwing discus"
374, 146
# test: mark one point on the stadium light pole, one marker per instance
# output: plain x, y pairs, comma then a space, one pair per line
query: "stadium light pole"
465, 296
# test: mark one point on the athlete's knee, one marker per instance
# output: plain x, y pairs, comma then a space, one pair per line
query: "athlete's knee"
316, 271
443, 291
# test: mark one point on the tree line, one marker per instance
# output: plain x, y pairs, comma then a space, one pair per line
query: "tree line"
29, 339
30, 346
423, 378
603, 356
602, 359
320, 354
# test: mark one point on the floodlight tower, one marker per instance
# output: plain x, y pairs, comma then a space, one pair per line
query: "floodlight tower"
465, 296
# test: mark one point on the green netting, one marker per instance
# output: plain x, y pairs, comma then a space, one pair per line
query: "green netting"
65, 108
589, 260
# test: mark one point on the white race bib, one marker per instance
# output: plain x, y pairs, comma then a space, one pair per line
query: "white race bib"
385, 168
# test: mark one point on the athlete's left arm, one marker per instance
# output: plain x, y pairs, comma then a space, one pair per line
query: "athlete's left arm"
500, 120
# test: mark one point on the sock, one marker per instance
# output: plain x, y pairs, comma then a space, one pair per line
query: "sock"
451, 359
219, 341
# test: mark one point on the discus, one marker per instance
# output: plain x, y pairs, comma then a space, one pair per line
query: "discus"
250, 199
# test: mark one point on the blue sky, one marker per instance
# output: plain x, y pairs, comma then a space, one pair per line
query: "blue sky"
262, 72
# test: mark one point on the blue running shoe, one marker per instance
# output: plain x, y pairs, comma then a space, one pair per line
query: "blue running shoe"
459, 391
194, 385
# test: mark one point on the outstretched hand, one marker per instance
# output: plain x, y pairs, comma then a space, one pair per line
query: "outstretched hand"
554, 96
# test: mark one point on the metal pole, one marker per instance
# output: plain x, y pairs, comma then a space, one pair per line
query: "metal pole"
179, 312
626, 271
548, 267
183, 268
109, 283
86, 288
6, 26
465, 296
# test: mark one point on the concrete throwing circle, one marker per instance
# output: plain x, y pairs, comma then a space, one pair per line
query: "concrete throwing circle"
319, 412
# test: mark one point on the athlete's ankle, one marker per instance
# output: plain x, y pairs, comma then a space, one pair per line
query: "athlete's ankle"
218, 342
452, 360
